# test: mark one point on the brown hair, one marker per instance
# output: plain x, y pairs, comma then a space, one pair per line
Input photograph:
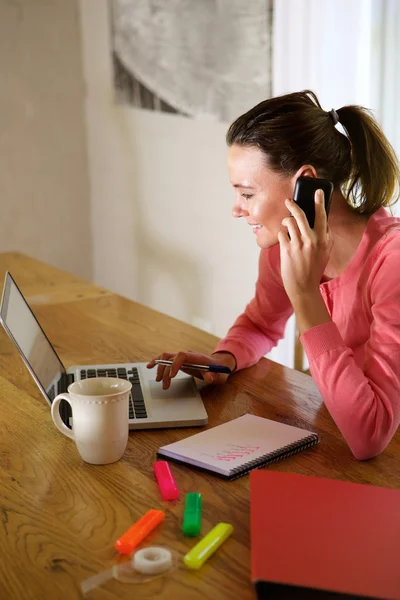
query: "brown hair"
293, 130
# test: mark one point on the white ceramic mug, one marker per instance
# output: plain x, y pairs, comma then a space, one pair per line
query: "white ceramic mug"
100, 422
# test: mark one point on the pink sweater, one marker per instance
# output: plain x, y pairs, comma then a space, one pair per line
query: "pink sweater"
355, 359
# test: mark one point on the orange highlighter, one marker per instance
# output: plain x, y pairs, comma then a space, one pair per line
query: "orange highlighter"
141, 529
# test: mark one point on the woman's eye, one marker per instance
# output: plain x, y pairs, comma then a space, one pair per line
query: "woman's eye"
247, 196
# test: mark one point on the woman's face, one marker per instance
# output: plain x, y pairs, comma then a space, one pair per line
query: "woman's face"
260, 192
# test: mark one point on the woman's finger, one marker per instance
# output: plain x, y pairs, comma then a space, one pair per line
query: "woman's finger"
299, 216
320, 225
177, 363
294, 232
166, 379
160, 372
210, 377
283, 237
160, 368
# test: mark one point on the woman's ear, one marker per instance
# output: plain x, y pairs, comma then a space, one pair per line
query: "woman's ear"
305, 171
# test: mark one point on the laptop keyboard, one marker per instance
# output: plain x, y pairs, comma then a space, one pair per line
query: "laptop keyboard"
62, 386
137, 407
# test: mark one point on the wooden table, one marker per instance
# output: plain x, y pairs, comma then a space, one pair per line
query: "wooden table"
59, 516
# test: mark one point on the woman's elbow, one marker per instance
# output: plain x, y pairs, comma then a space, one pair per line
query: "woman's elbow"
367, 449
373, 435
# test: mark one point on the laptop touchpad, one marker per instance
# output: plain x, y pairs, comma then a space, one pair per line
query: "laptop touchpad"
180, 388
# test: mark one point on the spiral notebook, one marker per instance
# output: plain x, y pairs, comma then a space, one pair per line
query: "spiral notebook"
236, 447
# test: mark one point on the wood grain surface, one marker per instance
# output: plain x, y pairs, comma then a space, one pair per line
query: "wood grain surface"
60, 516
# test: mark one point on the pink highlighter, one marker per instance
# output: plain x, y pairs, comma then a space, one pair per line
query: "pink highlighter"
165, 480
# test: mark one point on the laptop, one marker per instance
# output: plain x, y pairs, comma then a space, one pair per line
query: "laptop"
149, 407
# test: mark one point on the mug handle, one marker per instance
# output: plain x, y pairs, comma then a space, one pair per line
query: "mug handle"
55, 413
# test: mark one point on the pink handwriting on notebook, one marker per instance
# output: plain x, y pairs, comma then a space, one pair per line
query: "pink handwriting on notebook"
236, 451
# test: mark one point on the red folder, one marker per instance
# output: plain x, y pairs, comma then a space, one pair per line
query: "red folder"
321, 538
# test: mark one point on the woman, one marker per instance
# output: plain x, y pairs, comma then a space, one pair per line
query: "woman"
341, 281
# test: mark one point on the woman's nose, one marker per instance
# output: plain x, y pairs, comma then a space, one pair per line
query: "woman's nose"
239, 210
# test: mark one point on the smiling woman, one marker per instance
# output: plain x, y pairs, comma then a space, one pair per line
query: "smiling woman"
258, 190
340, 278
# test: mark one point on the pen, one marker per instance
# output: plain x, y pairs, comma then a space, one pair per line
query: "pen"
210, 368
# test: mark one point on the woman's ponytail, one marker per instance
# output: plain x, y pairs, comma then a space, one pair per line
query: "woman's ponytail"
374, 180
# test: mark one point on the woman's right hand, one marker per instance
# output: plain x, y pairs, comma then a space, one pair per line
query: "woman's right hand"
166, 373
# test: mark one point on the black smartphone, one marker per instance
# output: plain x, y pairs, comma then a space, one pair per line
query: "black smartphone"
304, 195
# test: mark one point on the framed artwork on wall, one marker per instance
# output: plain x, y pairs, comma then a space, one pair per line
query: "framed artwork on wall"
207, 59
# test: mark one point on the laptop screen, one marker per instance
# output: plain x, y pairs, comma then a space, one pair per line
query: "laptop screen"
31, 340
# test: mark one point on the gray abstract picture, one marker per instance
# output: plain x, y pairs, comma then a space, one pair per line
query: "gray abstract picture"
207, 59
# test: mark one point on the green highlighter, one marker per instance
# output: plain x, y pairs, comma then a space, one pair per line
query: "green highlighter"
192, 516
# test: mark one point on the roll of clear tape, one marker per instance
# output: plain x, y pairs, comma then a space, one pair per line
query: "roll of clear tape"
144, 565
152, 561
147, 564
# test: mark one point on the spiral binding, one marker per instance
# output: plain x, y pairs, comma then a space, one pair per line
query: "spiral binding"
275, 456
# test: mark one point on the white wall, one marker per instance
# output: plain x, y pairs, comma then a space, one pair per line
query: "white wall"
44, 187
325, 45
161, 203
386, 68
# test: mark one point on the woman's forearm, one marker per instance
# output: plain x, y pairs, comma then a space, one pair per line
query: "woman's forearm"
310, 311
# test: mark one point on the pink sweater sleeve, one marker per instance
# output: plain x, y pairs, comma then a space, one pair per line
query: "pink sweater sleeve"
263, 322
364, 402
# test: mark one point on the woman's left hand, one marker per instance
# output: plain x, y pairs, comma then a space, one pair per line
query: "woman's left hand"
305, 254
